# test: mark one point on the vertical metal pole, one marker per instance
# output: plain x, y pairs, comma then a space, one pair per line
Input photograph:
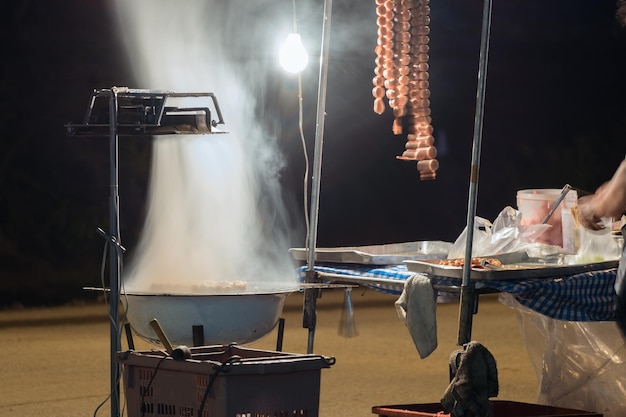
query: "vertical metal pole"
310, 294
467, 303
114, 254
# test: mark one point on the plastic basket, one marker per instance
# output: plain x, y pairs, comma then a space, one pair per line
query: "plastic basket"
228, 381
498, 409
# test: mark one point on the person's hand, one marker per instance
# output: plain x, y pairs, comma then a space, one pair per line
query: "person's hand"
587, 216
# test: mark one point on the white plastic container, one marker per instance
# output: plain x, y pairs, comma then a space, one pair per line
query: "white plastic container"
571, 230
535, 204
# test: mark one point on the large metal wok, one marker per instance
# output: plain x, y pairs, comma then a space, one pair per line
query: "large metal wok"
225, 318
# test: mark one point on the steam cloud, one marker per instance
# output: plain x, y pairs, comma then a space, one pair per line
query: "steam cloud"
215, 213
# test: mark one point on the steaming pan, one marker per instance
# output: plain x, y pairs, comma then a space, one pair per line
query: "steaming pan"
388, 254
226, 318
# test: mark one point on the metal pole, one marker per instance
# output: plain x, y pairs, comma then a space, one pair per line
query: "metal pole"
310, 298
114, 253
467, 303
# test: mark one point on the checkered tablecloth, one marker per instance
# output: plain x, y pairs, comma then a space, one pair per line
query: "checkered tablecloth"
588, 296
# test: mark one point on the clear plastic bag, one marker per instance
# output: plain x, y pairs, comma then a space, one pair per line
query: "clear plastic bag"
596, 246
506, 234
579, 365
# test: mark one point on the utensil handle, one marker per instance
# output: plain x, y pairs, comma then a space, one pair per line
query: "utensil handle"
560, 198
161, 335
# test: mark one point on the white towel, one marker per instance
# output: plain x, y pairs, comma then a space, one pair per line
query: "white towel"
416, 307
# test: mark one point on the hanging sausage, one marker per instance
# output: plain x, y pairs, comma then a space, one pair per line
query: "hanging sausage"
401, 76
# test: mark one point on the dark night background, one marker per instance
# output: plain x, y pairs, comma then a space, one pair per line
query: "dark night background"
555, 113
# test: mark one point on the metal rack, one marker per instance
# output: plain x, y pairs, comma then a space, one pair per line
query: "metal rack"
122, 111
134, 112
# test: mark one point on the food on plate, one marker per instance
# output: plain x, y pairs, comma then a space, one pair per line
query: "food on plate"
205, 287
477, 262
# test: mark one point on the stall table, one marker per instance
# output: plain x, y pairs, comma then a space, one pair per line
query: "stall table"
567, 324
586, 296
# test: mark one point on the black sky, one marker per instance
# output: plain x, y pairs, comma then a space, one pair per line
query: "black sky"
555, 113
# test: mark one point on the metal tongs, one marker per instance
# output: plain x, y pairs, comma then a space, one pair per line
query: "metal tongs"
560, 198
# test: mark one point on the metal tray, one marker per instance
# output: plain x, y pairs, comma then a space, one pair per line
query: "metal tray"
388, 254
520, 270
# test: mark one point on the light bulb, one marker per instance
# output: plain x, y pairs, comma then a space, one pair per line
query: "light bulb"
293, 57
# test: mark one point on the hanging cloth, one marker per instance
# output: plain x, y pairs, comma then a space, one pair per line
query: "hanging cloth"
474, 379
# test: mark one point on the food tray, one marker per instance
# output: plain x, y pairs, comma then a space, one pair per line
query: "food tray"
497, 408
387, 254
520, 270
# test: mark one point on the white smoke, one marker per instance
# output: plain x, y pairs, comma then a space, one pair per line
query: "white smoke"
215, 214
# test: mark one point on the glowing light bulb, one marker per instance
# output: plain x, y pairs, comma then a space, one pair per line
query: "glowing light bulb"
293, 57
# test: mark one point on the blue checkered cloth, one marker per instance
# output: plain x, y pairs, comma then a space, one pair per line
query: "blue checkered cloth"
397, 273
589, 296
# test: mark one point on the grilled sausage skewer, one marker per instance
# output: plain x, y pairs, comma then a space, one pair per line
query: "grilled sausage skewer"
401, 76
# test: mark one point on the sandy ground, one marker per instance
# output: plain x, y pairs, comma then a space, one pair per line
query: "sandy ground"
55, 362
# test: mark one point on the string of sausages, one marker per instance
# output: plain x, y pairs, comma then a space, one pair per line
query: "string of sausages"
401, 76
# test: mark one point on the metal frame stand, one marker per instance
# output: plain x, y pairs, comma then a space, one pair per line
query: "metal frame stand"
468, 303
115, 253
155, 119
311, 294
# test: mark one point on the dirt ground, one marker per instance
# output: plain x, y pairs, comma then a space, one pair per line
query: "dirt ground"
55, 362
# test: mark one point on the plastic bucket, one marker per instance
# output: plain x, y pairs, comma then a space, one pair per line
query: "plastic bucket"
535, 204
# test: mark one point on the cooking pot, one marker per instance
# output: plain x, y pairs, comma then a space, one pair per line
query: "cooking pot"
226, 318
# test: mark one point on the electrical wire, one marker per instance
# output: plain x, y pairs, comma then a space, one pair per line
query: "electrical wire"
306, 162
111, 319
147, 388
302, 138
106, 301
212, 378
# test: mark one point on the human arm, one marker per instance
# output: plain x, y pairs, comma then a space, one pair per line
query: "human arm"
609, 200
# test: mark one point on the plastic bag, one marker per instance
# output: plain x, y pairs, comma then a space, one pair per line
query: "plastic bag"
596, 246
504, 235
577, 364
